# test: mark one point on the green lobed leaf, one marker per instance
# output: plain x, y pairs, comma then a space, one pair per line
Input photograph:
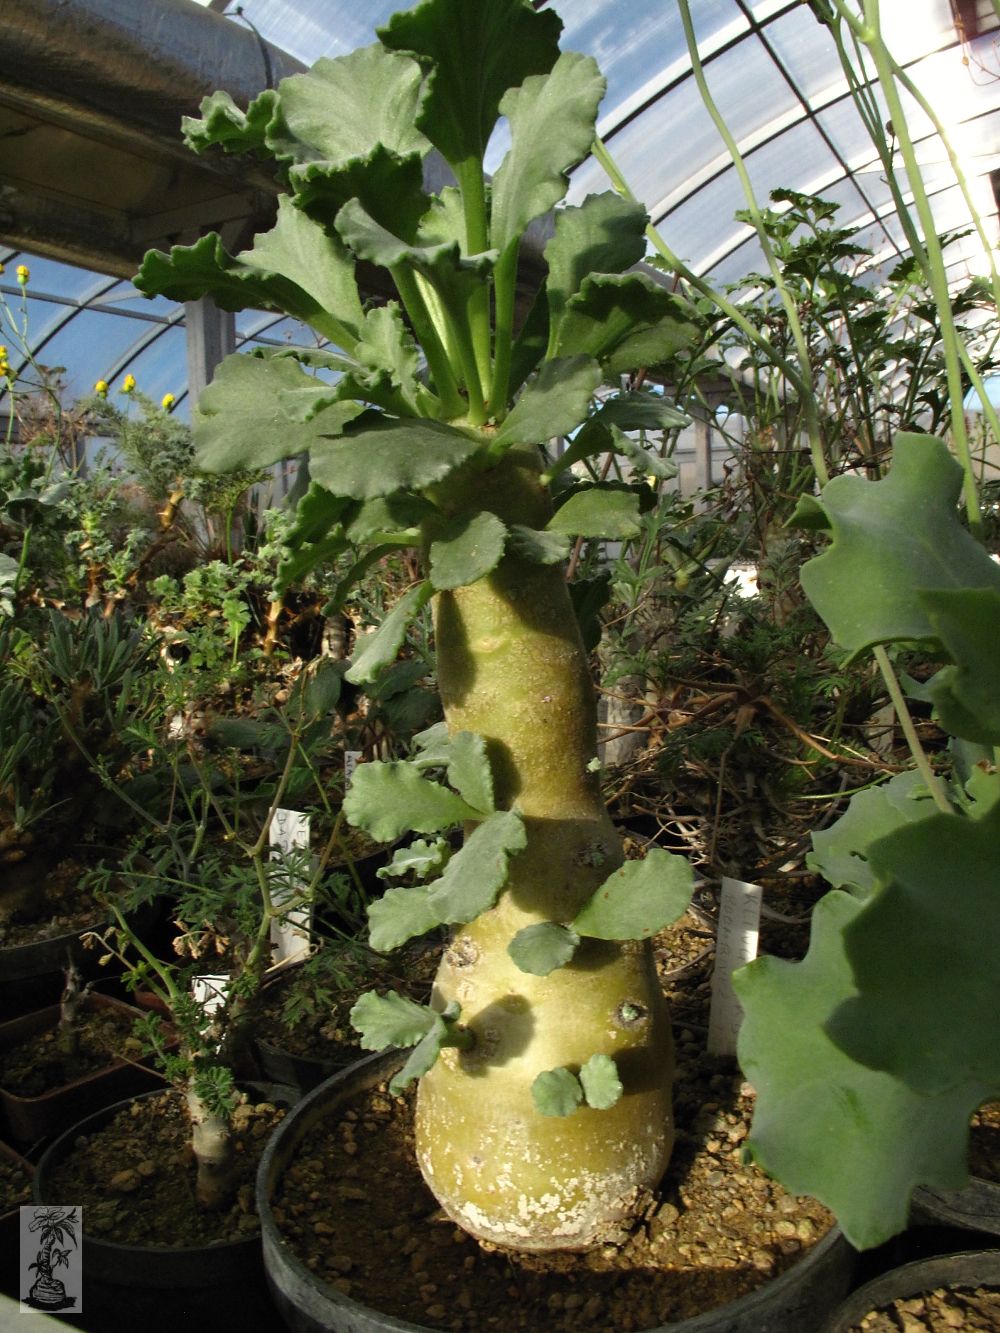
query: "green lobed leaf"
601, 510
641, 411
379, 648
858, 1140
551, 118
371, 519
224, 125
420, 858
967, 695
344, 107
387, 356
602, 1087
469, 771
643, 460
640, 898
442, 264
605, 234
893, 540
840, 852
473, 50
537, 546
400, 915
556, 1092
299, 251
475, 875
391, 1020
924, 956
466, 549
541, 948
432, 746
553, 403
388, 799
422, 1058
241, 423
268, 275
388, 187
627, 322
380, 454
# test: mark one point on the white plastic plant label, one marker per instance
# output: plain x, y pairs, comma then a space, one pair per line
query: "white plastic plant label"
351, 760
289, 846
735, 944
210, 991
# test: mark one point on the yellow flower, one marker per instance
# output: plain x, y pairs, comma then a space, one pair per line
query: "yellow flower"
167, 401
23, 274
128, 384
101, 388
2, 269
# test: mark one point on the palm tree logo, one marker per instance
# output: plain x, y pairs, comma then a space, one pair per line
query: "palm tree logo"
57, 1227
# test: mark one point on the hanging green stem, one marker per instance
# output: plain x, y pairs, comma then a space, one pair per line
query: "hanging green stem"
928, 251
427, 335
920, 759
472, 184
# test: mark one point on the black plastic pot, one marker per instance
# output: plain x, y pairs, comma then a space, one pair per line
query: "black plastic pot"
29, 1119
145, 1266
795, 1302
975, 1208
968, 1268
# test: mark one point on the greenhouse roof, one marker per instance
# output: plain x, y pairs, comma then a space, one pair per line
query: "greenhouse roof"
779, 91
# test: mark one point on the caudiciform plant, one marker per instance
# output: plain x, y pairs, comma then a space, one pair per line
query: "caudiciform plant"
544, 1104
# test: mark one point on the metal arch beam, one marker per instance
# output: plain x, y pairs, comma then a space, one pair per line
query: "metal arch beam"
92, 93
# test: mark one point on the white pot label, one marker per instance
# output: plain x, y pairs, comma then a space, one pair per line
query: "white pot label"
351, 760
736, 944
289, 848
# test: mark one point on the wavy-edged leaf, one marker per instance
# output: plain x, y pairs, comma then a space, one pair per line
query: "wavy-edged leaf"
473, 54
400, 915
224, 125
241, 423
421, 858
469, 771
924, 958
396, 513
553, 403
422, 1058
893, 540
536, 545
378, 649
380, 454
967, 695
391, 1020
858, 1140
603, 510
556, 1092
840, 852
641, 411
602, 1087
642, 460
640, 898
475, 875
466, 549
257, 277
341, 109
298, 250
604, 234
551, 120
541, 948
625, 321
387, 356
388, 799
388, 187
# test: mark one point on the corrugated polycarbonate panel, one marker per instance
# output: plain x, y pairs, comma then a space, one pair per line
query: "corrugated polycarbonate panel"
308, 29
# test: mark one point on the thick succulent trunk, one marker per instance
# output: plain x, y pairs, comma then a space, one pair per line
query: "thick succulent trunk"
212, 1145
511, 667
